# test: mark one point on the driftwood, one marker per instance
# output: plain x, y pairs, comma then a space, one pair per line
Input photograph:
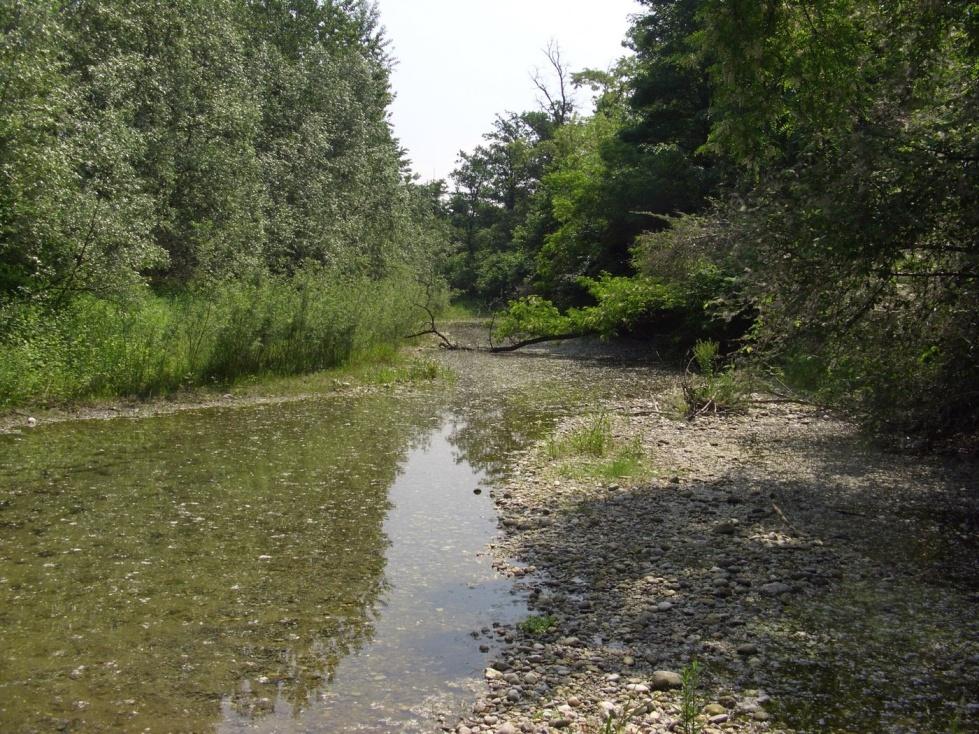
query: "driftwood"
446, 343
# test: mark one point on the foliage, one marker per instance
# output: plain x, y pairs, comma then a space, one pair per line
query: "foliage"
797, 176
690, 699
715, 389
150, 345
623, 304
532, 316
856, 229
538, 624
235, 157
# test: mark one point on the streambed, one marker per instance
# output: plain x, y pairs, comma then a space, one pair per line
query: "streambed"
309, 566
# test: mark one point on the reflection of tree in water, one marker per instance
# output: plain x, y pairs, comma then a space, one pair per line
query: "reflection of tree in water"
235, 554
491, 428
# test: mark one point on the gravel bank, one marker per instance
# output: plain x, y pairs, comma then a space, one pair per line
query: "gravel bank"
821, 584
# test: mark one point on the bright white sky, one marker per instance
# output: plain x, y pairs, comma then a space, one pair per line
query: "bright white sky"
460, 62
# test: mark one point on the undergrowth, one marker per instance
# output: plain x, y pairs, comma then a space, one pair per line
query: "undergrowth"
715, 388
591, 451
153, 344
538, 625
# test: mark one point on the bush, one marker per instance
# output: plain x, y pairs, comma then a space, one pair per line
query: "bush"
151, 344
715, 389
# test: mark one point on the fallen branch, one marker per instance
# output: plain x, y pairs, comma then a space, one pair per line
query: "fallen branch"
528, 342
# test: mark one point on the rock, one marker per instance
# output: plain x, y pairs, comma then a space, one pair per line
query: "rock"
747, 649
507, 728
608, 709
493, 674
714, 709
664, 679
726, 528
775, 588
463, 730
760, 715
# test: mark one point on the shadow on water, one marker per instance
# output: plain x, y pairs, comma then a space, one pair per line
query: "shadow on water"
313, 566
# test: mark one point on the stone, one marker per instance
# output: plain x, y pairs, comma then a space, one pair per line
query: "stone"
775, 588
493, 674
506, 728
664, 679
714, 709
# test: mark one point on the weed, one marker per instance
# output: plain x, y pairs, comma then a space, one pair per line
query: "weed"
538, 624
714, 389
153, 344
690, 700
593, 439
617, 723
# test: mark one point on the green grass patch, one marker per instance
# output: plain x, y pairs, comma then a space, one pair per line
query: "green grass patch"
593, 439
538, 624
591, 451
464, 309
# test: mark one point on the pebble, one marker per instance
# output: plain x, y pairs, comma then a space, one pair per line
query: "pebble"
642, 579
775, 588
664, 679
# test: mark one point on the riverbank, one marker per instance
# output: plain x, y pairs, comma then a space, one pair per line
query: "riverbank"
379, 370
819, 583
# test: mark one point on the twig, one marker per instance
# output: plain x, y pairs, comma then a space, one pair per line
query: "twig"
785, 519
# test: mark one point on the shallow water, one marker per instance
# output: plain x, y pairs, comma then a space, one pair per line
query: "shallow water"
313, 566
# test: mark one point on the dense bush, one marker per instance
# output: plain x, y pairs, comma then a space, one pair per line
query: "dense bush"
152, 344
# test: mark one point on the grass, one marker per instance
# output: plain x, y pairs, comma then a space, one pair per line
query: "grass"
714, 389
591, 451
594, 439
463, 309
538, 624
154, 345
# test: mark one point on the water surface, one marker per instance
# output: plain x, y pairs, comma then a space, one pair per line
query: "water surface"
314, 566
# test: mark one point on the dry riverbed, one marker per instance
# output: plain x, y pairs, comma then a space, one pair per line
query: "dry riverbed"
820, 583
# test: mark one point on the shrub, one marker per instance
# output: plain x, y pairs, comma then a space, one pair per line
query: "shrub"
151, 345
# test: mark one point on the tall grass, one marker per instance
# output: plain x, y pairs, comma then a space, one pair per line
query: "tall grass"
151, 344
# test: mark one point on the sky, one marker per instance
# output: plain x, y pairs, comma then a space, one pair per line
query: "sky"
460, 62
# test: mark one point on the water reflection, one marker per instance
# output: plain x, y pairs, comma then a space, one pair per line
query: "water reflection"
438, 590
301, 567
